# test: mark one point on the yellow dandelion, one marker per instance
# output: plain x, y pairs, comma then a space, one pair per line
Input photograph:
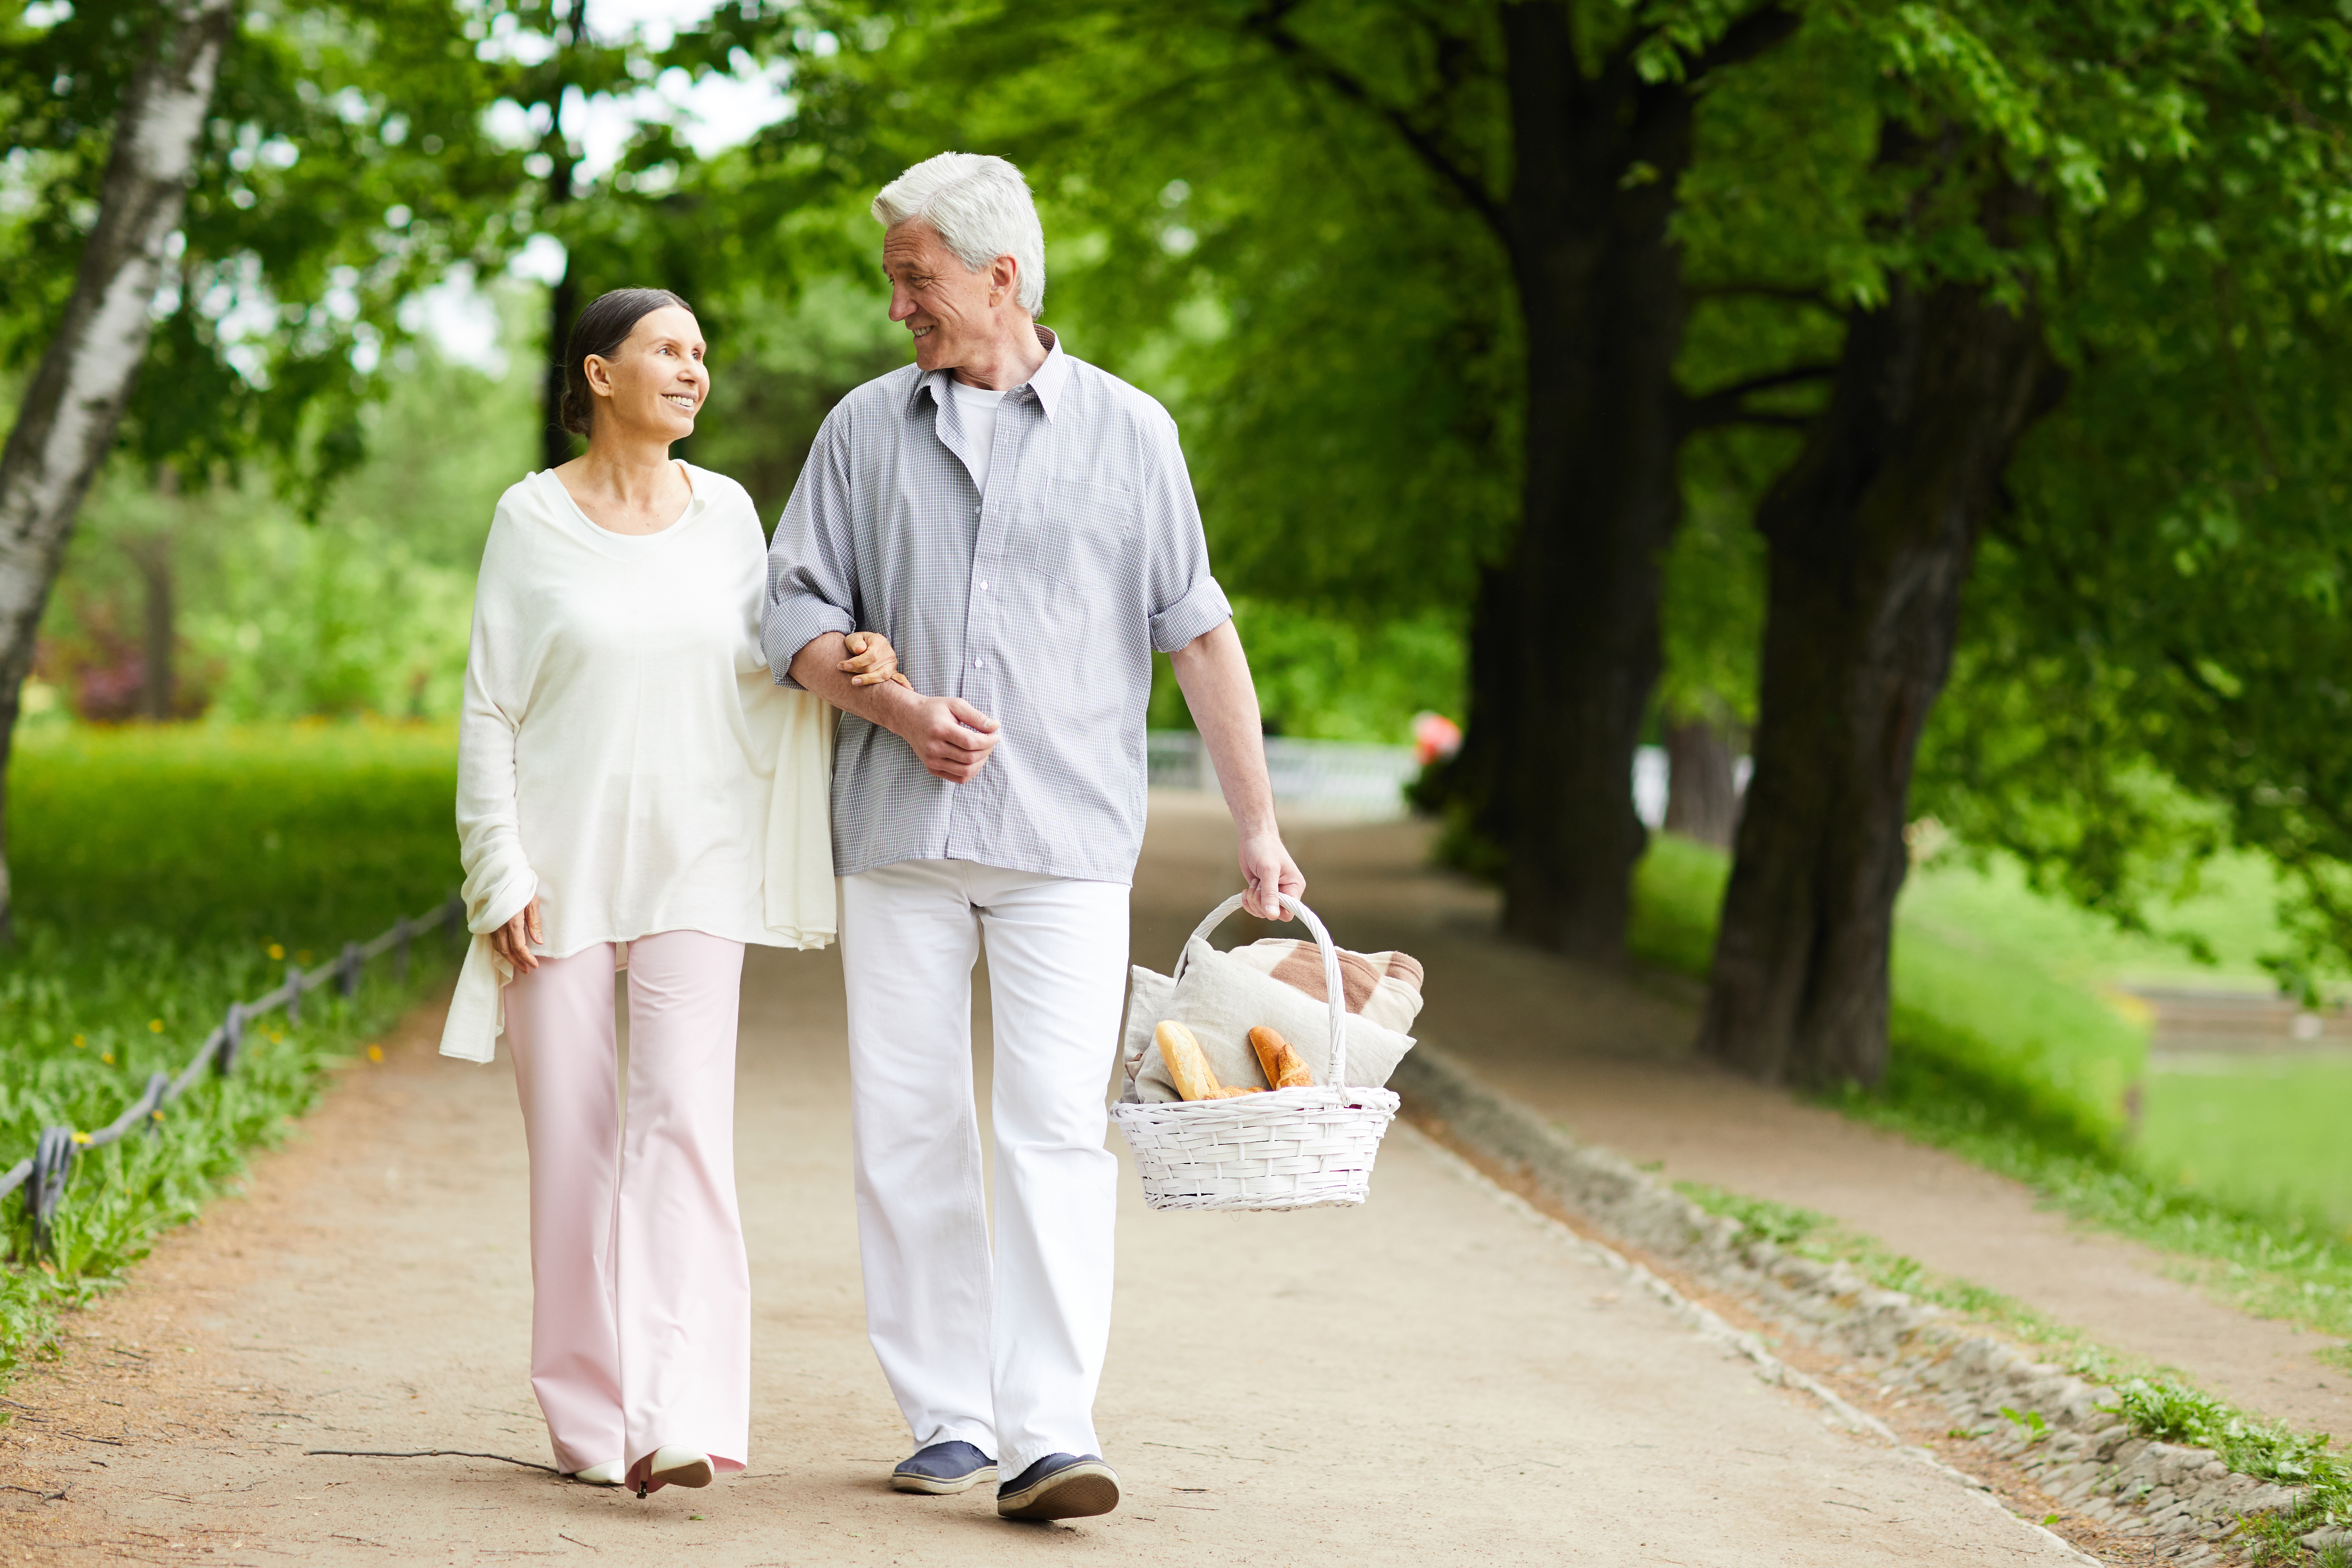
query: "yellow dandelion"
106, 1056
277, 949
156, 1115
82, 1137
154, 1026
77, 1042
276, 1036
375, 1052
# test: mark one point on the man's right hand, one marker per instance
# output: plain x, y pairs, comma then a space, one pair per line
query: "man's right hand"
952, 738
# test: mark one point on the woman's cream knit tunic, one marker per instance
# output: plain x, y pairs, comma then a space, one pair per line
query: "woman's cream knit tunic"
623, 752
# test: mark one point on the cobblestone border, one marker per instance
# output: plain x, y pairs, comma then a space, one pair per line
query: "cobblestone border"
2183, 1502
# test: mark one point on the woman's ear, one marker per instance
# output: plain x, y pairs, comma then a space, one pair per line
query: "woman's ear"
599, 375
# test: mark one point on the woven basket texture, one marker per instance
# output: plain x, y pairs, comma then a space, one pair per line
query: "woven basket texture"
1287, 1149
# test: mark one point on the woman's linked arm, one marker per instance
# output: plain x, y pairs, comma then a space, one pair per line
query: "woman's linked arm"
950, 736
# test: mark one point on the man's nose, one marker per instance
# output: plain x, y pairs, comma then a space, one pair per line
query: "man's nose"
902, 304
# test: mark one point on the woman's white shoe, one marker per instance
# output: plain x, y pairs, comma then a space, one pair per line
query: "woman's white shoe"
679, 1468
606, 1475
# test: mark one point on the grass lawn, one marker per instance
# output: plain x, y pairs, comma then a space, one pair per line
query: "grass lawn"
160, 876
2269, 1133
2007, 1050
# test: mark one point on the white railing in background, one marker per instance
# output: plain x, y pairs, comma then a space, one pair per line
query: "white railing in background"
1360, 780
1326, 775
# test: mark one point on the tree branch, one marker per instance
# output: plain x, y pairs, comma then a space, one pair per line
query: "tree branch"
1272, 23
1752, 289
1746, 38
1727, 405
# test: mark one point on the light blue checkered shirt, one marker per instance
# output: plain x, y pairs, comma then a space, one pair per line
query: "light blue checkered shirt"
1040, 605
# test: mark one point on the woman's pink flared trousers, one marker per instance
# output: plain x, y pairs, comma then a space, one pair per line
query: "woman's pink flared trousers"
640, 1316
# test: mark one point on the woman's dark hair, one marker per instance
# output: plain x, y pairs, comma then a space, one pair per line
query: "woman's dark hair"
601, 331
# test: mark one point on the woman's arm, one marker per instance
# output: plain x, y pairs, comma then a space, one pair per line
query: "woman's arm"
501, 892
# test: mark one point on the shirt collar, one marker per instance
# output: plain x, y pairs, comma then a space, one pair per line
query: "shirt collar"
1047, 384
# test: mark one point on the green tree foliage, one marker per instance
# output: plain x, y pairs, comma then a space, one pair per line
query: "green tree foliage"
2160, 639
344, 168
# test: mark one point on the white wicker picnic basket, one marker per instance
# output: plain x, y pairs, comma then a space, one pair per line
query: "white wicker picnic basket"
1281, 1149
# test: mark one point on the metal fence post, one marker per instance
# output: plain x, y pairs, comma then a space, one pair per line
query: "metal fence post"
232, 1039
453, 922
400, 950
158, 1090
294, 996
347, 971
53, 1157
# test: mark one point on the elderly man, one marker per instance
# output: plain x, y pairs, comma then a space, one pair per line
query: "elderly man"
1019, 524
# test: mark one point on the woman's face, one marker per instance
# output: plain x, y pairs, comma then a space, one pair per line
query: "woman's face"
654, 383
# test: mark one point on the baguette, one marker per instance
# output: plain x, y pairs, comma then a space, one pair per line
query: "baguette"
1284, 1068
1231, 1092
1188, 1065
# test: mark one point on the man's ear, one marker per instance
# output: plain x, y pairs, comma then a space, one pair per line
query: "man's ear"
1004, 276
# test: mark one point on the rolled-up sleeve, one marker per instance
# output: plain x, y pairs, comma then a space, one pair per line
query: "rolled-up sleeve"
813, 564
1185, 599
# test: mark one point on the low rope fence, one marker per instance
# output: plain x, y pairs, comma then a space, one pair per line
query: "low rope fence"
43, 1173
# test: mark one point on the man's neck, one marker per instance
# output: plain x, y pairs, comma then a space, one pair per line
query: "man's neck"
1007, 361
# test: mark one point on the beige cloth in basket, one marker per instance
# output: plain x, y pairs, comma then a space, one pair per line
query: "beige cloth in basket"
1278, 983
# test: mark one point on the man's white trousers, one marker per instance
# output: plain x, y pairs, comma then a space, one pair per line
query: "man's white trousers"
1001, 1347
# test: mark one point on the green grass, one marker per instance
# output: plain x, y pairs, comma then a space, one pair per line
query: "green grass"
2154, 1403
2002, 1053
2268, 1133
156, 871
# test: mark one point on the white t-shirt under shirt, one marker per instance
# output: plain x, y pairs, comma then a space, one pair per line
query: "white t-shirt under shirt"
977, 406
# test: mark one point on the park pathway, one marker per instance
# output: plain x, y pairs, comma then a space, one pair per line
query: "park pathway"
1435, 1378
1610, 1060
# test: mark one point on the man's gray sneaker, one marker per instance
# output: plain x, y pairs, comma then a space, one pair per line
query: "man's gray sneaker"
1060, 1486
944, 1468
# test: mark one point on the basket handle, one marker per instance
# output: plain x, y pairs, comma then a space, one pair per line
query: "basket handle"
1331, 987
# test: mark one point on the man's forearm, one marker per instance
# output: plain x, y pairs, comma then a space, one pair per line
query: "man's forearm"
1214, 674
818, 668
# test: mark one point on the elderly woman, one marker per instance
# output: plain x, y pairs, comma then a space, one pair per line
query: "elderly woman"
634, 789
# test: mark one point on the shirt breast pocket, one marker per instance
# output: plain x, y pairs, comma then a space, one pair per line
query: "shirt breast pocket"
1094, 527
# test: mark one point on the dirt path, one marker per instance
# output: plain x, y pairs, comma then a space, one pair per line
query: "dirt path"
1432, 1379
1611, 1061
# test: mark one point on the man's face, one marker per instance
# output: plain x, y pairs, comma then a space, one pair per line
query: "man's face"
944, 302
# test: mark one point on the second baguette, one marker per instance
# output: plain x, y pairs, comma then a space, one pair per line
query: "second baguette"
1284, 1068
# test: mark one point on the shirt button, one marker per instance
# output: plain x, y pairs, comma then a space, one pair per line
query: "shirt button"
983, 587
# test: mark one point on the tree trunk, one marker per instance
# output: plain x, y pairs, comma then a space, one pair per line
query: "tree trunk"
562, 307
65, 424
1566, 647
1871, 533
1702, 792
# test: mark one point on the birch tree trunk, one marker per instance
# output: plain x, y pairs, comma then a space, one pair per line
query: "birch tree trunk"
65, 424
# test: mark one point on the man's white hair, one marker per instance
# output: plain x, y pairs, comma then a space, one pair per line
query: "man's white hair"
981, 209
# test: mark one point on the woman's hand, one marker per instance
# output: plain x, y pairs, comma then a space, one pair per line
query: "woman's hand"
875, 661
512, 941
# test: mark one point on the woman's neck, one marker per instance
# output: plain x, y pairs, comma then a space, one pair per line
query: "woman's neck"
632, 473
628, 487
